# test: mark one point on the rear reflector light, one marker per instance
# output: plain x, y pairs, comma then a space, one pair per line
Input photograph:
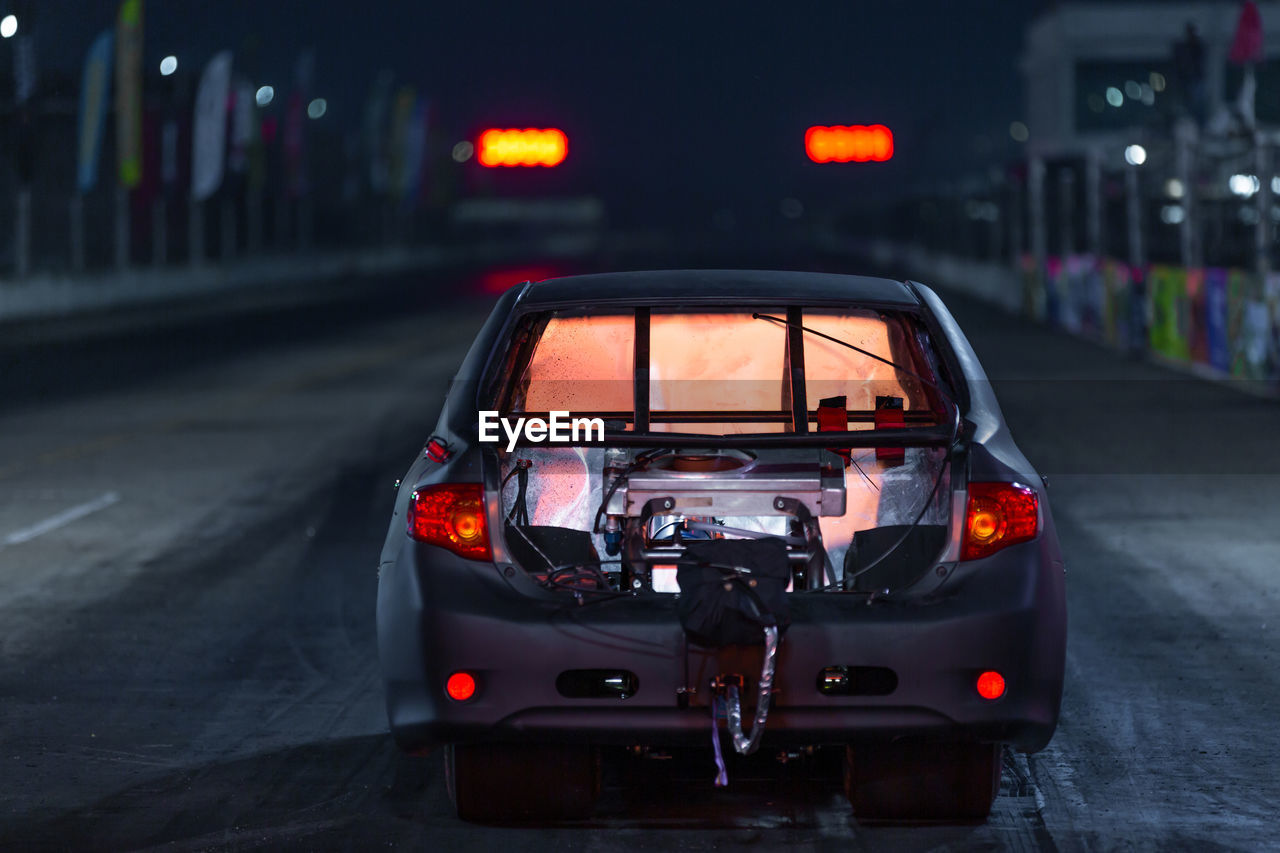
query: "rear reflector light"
461, 686
437, 450
451, 516
991, 685
998, 515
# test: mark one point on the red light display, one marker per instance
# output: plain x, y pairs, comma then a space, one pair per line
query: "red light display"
461, 686
849, 143
529, 147
991, 685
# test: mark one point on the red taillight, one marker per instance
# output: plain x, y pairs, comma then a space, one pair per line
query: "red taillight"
451, 516
991, 685
999, 514
460, 686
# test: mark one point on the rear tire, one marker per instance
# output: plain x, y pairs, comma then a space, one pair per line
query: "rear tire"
918, 780
506, 783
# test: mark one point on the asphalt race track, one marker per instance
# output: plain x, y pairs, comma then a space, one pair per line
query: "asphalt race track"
189, 524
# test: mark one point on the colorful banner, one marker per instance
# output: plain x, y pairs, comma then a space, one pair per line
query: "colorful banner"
401, 117
294, 116
129, 93
1139, 316
1032, 288
1116, 284
169, 153
24, 68
1215, 317
1074, 294
1054, 283
1094, 303
1168, 294
1224, 319
242, 126
209, 127
294, 134
1255, 334
1239, 293
94, 93
415, 153
1271, 298
375, 131
1196, 326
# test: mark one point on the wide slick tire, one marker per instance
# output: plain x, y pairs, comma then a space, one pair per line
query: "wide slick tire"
909, 781
522, 783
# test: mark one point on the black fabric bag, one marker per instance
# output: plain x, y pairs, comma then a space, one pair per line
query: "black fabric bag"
713, 615
899, 568
545, 552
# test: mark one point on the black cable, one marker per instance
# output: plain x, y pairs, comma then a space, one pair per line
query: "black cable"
613, 487
522, 495
576, 572
859, 349
503, 488
641, 460
554, 582
863, 473
519, 512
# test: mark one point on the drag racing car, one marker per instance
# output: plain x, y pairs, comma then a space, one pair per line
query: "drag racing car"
760, 510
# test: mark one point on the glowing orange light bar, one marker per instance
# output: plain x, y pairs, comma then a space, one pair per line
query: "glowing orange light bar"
845, 144
461, 686
529, 147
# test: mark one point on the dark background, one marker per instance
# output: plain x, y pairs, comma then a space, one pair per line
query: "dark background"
671, 108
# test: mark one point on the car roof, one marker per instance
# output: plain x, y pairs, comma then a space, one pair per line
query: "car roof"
721, 287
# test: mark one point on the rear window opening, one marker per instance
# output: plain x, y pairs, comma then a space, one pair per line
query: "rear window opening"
741, 372
607, 517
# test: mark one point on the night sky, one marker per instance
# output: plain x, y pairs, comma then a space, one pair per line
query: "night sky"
687, 106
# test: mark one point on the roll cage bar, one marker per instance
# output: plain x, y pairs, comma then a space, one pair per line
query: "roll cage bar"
928, 430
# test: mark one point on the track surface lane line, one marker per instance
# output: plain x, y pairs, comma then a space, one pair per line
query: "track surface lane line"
244, 401
62, 519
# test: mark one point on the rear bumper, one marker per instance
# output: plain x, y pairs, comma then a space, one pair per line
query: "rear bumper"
438, 614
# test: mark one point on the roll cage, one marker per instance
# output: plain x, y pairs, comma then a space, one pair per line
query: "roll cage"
918, 349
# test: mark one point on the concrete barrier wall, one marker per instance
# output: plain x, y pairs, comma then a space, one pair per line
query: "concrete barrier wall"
45, 296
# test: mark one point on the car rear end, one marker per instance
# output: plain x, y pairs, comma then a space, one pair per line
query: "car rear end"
529, 598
